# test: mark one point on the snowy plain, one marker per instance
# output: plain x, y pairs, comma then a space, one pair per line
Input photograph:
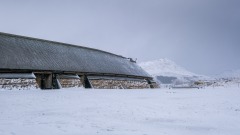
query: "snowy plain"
210, 111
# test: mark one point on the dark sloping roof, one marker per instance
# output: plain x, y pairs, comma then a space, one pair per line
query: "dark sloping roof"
18, 52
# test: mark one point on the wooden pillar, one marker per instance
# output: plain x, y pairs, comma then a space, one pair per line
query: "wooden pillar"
150, 83
48, 81
55, 82
86, 83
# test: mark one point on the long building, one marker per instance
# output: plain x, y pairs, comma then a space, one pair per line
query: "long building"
27, 62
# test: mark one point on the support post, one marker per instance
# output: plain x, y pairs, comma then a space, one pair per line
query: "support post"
150, 83
86, 83
55, 82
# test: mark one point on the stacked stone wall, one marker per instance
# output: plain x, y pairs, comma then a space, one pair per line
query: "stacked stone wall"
135, 84
25, 84
106, 84
155, 85
20, 84
119, 84
69, 83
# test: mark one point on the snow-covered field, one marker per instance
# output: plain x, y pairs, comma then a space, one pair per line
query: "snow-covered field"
120, 112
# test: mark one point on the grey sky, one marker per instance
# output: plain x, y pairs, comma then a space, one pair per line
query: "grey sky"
201, 35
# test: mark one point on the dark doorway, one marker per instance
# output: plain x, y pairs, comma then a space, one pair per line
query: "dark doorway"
86, 82
44, 81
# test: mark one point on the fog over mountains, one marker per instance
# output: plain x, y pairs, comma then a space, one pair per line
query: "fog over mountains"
229, 74
165, 67
166, 71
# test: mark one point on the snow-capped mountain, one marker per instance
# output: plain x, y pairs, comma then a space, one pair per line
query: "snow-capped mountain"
165, 67
168, 72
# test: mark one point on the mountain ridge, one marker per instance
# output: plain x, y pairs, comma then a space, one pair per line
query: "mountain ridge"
165, 67
168, 72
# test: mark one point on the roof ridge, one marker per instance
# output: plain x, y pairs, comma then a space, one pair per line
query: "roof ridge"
59, 43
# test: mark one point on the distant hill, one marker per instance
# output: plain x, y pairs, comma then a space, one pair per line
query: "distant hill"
168, 72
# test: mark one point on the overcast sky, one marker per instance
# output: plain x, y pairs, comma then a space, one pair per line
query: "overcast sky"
201, 35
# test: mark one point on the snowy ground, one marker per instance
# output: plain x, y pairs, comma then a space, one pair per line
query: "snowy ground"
120, 112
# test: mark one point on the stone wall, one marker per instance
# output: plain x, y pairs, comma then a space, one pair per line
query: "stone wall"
68, 83
155, 85
119, 84
25, 84
20, 84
